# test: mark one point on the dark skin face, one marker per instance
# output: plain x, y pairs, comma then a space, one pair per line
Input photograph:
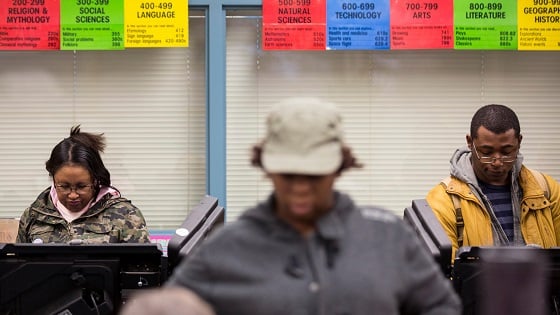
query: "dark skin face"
494, 145
302, 199
74, 176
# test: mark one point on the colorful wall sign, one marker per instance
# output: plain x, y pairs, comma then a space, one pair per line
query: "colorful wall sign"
488, 24
92, 24
288, 24
539, 24
358, 24
421, 24
161, 23
29, 24
293, 25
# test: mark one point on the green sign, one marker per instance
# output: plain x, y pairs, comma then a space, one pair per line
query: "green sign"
487, 24
92, 24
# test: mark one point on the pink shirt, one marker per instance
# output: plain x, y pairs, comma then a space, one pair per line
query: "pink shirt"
70, 215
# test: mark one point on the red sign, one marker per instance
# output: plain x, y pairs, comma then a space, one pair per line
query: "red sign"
29, 24
422, 24
294, 24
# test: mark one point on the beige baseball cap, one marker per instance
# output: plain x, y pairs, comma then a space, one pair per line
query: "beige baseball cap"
304, 136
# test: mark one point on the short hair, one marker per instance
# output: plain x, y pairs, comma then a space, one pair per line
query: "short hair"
82, 149
496, 118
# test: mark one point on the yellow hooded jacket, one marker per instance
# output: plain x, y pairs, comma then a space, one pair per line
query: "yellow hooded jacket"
540, 217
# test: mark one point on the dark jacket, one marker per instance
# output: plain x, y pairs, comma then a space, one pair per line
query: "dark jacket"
357, 262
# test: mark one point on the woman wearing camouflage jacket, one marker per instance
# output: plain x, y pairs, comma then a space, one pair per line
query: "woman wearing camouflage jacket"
81, 205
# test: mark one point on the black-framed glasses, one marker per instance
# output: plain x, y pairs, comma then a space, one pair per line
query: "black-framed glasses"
491, 159
80, 189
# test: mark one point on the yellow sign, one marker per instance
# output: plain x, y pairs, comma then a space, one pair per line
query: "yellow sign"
538, 23
156, 23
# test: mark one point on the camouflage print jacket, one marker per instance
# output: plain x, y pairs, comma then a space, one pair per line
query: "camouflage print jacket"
110, 220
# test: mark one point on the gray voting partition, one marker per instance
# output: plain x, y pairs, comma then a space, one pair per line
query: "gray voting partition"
199, 223
428, 228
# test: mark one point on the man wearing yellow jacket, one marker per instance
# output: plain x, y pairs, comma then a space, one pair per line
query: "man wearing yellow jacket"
491, 198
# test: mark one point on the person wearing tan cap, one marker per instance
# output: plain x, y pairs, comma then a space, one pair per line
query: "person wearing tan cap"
308, 249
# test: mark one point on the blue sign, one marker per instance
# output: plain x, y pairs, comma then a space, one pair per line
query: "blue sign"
358, 24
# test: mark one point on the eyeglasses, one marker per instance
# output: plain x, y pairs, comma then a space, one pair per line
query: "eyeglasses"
491, 159
80, 189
